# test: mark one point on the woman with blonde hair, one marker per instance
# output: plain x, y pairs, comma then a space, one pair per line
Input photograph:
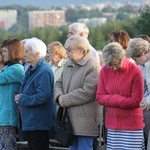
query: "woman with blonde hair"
57, 58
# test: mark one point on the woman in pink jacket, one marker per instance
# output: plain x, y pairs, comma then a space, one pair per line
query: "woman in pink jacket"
120, 89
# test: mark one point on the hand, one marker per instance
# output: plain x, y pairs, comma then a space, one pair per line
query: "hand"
144, 105
60, 99
17, 98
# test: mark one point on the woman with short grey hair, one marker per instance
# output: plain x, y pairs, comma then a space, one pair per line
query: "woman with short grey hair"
136, 48
76, 90
112, 50
139, 50
120, 90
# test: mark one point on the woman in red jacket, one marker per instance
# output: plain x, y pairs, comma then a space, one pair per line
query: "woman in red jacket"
120, 89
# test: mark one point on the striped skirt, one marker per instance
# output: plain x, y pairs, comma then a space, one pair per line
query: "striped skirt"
125, 140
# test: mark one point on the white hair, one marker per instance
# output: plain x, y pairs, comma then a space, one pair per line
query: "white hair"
80, 28
36, 45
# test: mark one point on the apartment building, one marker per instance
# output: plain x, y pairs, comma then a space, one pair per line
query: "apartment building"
53, 18
7, 19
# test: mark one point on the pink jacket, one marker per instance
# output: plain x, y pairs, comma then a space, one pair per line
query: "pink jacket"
121, 92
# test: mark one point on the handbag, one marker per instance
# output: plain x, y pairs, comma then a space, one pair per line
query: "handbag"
64, 129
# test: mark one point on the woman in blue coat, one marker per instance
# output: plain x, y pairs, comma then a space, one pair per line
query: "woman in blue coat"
11, 78
37, 108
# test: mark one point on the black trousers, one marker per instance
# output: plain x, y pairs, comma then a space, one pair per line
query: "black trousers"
37, 140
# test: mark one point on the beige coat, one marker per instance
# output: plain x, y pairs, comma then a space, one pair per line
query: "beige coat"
78, 84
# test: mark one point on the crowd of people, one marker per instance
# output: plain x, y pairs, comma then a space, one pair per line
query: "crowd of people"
35, 79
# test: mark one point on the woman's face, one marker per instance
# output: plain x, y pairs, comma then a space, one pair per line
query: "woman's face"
53, 56
142, 59
5, 54
116, 64
112, 39
73, 52
29, 56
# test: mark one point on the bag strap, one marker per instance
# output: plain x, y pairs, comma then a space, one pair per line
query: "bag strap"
60, 113
66, 121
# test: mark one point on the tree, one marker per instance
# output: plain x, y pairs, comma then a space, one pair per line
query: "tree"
143, 22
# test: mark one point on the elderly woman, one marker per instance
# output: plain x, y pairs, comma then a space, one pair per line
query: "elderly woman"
11, 77
76, 90
36, 96
57, 57
120, 89
139, 50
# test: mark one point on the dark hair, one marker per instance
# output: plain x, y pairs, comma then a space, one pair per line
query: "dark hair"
1, 51
15, 48
122, 37
144, 37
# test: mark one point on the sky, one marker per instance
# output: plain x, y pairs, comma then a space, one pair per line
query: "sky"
59, 3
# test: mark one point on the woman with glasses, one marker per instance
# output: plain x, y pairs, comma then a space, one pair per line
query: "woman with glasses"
11, 78
120, 89
139, 50
76, 90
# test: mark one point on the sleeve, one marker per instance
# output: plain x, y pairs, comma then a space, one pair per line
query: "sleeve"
58, 88
86, 93
11, 75
44, 86
119, 100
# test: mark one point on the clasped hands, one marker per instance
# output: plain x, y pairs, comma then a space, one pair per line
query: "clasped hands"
60, 101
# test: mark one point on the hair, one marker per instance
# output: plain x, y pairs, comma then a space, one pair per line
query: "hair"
112, 51
80, 28
81, 43
58, 48
136, 47
121, 37
35, 45
15, 48
1, 51
144, 37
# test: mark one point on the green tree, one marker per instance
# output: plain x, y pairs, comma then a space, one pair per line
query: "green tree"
142, 23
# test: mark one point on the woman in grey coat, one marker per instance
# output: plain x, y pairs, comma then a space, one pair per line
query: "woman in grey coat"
76, 90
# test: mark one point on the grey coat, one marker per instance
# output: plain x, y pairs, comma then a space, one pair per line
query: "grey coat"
78, 85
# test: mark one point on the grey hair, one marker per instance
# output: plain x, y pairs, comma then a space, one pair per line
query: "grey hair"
112, 51
80, 28
36, 45
78, 42
136, 46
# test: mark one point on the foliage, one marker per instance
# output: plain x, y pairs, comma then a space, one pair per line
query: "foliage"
142, 23
98, 37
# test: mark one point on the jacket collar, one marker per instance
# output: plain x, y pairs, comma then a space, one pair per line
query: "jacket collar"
60, 64
81, 62
39, 63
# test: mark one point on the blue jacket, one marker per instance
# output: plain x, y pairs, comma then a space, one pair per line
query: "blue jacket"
37, 100
11, 78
